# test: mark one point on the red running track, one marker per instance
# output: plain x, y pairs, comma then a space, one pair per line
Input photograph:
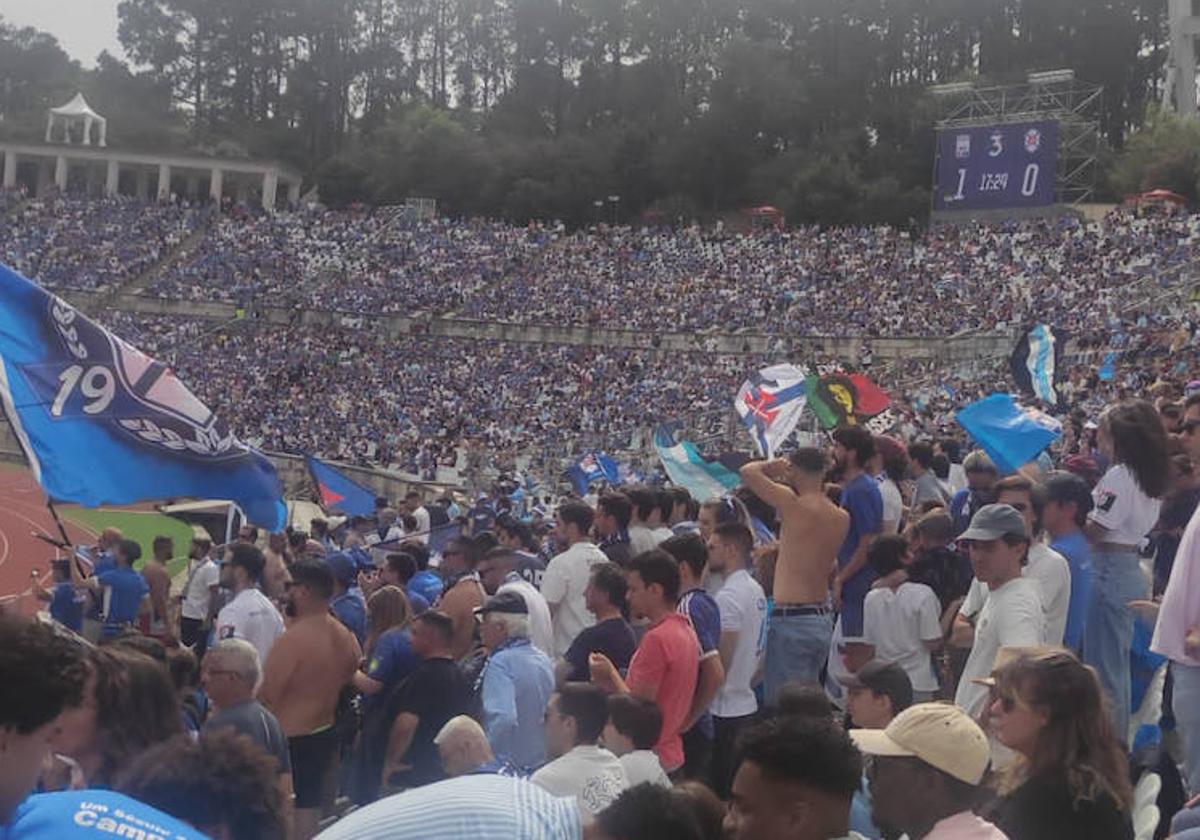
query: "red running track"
23, 513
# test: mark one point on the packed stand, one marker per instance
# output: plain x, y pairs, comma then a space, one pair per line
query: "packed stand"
67, 242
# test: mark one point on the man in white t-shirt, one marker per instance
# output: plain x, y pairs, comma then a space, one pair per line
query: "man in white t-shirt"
1012, 615
1044, 565
416, 507
567, 575
250, 615
575, 718
902, 619
198, 599
743, 608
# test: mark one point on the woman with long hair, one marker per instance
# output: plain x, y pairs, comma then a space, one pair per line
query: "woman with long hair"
388, 659
1126, 505
1071, 777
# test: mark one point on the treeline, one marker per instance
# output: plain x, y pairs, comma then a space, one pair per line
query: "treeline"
542, 108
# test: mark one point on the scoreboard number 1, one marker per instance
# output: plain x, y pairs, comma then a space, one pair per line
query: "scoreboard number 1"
962, 183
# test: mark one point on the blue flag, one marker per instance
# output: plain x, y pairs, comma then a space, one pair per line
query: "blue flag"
1108, 369
1010, 435
103, 423
687, 468
594, 466
338, 491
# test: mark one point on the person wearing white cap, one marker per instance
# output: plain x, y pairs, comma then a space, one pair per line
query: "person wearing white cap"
925, 772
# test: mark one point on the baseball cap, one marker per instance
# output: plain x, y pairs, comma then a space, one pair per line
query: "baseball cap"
343, 567
510, 603
939, 734
886, 678
991, 522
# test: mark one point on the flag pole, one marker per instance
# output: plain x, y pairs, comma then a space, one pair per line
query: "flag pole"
61, 530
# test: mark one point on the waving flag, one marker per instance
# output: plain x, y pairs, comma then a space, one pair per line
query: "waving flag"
845, 399
338, 491
1035, 362
1010, 435
594, 466
770, 403
103, 423
686, 467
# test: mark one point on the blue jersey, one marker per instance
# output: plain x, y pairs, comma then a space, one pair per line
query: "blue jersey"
352, 612
391, 660
91, 815
126, 590
705, 615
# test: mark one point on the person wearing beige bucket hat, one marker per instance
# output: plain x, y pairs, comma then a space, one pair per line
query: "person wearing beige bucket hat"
925, 770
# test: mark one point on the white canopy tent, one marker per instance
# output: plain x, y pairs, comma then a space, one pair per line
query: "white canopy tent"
75, 111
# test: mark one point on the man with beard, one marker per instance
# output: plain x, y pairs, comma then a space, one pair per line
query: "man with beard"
303, 677
249, 615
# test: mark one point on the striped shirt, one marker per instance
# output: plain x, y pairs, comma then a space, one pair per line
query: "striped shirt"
470, 808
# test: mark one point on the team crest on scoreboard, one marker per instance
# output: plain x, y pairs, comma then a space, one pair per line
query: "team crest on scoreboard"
1033, 140
962, 146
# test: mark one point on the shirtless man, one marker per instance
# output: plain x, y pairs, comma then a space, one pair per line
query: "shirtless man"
275, 573
156, 611
812, 530
305, 672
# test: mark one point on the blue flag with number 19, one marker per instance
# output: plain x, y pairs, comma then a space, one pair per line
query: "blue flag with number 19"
103, 423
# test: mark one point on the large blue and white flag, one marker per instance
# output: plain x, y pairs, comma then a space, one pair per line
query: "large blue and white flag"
770, 403
594, 466
686, 467
103, 423
1010, 435
1035, 362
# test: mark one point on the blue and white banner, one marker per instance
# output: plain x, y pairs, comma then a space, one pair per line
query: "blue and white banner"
770, 404
686, 467
103, 423
594, 466
1035, 362
1011, 436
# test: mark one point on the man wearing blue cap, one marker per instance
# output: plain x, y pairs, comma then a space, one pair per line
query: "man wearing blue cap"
347, 603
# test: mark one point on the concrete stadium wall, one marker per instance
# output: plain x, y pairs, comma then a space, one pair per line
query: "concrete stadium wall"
952, 349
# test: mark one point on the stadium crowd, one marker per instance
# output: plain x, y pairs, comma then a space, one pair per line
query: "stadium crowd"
887, 637
806, 281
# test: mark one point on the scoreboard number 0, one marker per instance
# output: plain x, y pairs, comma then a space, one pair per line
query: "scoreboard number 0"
1030, 181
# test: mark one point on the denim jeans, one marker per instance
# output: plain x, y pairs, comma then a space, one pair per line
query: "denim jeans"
797, 646
1117, 579
1185, 703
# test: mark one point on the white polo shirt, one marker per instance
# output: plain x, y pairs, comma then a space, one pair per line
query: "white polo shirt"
593, 775
1123, 508
898, 623
251, 616
743, 607
563, 583
1012, 616
197, 590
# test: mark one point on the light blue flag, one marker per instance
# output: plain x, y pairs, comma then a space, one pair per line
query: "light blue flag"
103, 423
687, 468
1010, 435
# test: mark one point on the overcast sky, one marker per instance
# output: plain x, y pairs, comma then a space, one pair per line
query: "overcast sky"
84, 27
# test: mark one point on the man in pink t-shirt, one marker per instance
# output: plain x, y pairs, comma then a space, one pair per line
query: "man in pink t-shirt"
667, 662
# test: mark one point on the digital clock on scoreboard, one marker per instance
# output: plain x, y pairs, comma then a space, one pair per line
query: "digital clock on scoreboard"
997, 166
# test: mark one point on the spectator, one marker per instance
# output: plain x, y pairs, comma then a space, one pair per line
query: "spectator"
1012, 615
902, 619
435, 692
567, 574
633, 728
498, 573
613, 514
743, 607
249, 614
388, 654
1072, 780
926, 769
876, 693
303, 678
65, 600
464, 749
464, 593
199, 601
51, 671
667, 661
801, 622
644, 513
221, 784
126, 588
579, 767
611, 635
796, 778
691, 554
347, 604
1126, 508
156, 609
1068, 501
648, 812
981, 478
926, 487
517, 536
516, 683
